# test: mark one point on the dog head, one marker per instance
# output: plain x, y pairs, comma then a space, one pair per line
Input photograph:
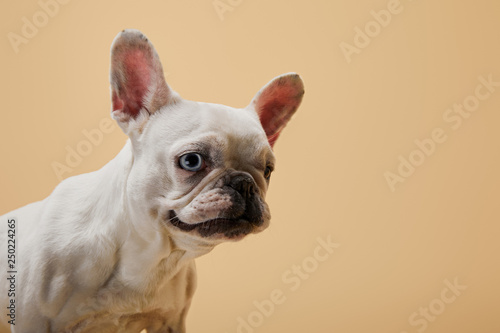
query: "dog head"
199, 170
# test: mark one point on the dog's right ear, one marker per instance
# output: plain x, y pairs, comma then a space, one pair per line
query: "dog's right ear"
138, 86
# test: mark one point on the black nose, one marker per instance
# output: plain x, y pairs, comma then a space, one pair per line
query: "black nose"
248, 198
244, 185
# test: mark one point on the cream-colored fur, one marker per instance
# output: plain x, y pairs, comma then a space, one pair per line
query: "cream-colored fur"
101, 254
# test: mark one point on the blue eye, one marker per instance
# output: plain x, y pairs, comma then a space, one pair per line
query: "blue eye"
192, 162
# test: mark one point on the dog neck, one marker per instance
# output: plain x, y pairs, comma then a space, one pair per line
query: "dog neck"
147, 253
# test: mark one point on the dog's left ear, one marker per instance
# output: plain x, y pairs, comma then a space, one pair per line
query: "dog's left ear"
138, 86
276, 102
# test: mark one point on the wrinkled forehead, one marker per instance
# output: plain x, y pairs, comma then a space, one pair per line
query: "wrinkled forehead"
228, 120
235, 129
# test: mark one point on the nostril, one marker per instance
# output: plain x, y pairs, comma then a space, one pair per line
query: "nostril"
243, 185
250, 189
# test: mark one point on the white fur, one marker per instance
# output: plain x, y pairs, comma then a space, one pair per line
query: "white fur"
92, 248
100, 255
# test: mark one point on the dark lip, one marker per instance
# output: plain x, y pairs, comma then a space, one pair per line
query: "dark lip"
229, 228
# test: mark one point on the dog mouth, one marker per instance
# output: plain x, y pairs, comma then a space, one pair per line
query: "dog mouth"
221, 227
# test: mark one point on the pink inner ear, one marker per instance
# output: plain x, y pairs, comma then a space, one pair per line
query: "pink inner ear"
136, 74
276, 105
272, 116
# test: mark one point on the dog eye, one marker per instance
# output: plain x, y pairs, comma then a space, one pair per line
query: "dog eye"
267, 172
192, 162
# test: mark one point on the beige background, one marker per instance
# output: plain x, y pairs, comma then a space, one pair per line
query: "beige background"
396, 248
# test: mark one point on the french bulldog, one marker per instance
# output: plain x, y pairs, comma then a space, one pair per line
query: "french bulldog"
113, 250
